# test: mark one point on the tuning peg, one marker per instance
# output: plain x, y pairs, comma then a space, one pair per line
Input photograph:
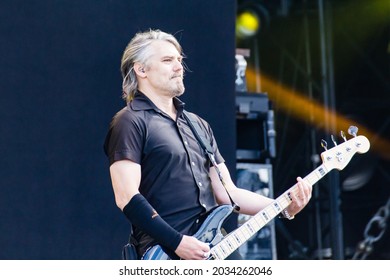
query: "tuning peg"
333, 140
352, 130
343, 136
324, 144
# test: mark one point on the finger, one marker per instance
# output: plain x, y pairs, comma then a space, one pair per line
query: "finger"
299, 194
204, 246
203, 254
305, 189
206, 255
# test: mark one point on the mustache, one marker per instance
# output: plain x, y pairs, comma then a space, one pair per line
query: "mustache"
177, 76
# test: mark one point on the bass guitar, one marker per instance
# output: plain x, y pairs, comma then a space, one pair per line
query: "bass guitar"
222, 246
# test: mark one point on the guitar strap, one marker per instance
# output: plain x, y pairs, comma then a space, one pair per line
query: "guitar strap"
201, 137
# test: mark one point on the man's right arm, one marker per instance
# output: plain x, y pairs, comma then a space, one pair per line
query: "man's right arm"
126, 178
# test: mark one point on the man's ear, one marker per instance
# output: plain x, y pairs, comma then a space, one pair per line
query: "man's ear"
139, 69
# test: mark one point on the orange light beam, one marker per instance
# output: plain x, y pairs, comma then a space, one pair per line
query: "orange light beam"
313, 112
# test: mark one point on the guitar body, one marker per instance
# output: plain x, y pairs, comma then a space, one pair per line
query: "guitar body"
209, 232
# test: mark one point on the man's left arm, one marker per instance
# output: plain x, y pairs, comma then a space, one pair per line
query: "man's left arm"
251, 203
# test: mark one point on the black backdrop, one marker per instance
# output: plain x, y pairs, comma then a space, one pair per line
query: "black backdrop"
60, 85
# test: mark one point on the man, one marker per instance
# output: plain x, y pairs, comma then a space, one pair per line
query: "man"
162, 179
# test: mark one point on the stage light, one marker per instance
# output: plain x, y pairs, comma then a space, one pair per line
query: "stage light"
247, 24
251, 18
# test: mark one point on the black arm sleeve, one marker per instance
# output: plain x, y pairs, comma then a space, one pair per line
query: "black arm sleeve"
142, 215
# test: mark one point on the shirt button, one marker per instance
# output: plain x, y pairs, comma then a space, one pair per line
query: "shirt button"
199, 184
197, 221
204, 205
193, 163
185, 142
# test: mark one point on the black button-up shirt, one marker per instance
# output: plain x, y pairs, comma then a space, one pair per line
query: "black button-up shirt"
175, 170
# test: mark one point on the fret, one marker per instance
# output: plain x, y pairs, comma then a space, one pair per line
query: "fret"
225, 248
249, 227
316, 174
271, 211
276, 207
222, 250
245, 232
216, 253
237, 238
220, 245
265, 215
253, 224
219, 251
240, 236
230, 243
284, 200
259, 221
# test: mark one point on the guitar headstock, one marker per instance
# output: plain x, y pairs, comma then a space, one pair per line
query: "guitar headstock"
339, 156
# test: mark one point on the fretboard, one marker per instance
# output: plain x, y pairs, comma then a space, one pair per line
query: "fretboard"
239, 236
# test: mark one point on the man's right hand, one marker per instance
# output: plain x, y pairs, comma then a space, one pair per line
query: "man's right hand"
191, 248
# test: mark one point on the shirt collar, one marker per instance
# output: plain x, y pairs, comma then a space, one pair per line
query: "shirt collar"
141, 102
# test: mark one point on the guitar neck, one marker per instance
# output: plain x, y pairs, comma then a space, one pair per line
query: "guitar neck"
313, 177
239, 236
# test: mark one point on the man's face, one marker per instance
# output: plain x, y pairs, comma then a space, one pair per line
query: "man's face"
165, 70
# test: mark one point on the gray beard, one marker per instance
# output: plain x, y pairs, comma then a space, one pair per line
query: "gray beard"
178, 91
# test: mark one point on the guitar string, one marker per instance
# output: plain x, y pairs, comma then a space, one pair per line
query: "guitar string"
238, 240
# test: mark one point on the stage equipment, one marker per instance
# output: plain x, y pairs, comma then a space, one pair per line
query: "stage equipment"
255, 128
241, 65
255, 148
257, 178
